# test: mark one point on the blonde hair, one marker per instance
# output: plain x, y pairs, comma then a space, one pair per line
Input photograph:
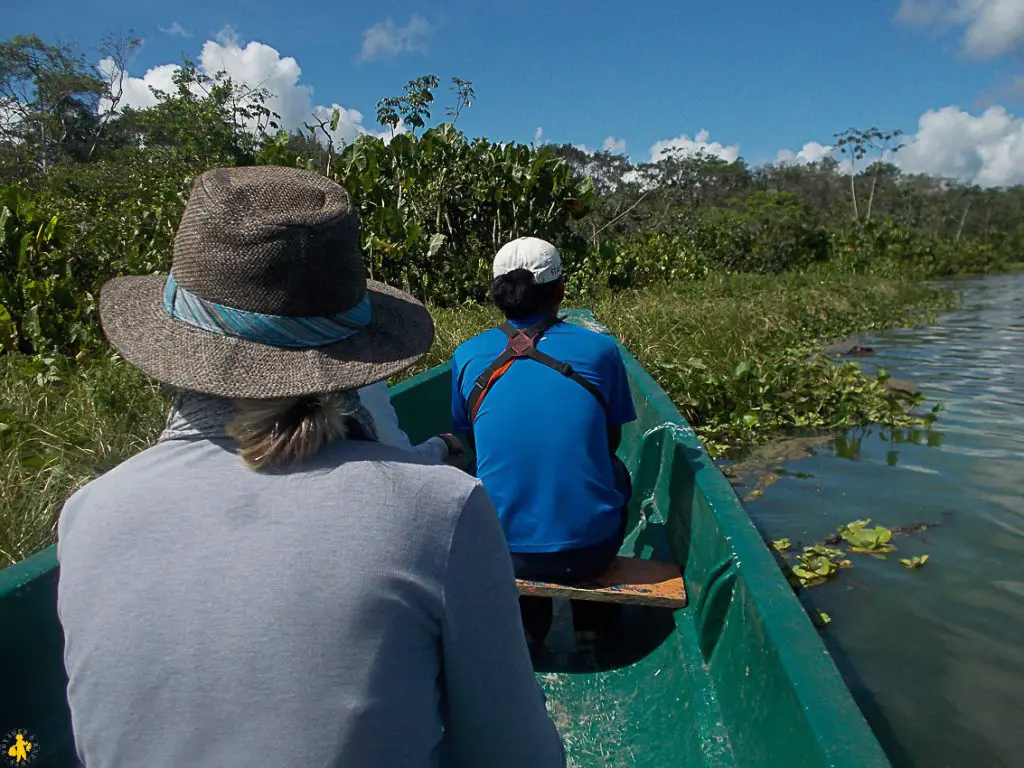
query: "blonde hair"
273, 434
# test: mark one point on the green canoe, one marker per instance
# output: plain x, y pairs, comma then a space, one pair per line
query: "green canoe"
739, 677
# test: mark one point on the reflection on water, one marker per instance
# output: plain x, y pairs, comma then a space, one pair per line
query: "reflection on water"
850, 445
934, 656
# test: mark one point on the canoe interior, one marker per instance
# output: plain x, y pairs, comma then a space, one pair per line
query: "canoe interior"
739, 677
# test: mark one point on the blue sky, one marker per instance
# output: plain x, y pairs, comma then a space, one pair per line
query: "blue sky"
757, 76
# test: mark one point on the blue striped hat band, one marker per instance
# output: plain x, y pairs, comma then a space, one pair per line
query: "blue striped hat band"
274, 330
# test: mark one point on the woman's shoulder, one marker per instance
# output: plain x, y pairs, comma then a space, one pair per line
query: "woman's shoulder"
397, 470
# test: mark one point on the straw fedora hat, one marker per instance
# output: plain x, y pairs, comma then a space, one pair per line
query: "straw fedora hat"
267, 295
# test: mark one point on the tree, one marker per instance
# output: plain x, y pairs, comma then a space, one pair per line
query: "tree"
116, 50
465, 96
209, 119
327, 128
412, 108
857, 144
48, 101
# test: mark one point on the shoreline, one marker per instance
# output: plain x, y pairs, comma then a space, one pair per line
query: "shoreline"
729, 350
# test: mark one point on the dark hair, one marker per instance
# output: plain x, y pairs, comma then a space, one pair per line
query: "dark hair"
518, 296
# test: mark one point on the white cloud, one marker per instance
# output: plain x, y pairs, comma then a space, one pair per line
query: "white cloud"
811, 152
254, 64
985, 149
613, 145
684, 146
385, 38
9, 117
137, 91
176, 30
992, 27
538, 135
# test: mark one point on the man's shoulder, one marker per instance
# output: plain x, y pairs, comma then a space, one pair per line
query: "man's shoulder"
595, 343
479, 344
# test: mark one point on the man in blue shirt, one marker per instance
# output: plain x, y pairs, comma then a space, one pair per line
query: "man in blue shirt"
542, 402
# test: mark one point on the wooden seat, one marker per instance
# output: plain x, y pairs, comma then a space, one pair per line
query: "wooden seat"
629, 580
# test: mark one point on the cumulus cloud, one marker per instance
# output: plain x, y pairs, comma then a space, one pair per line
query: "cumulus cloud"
811, 152
985, 149
684, 146
613, 145
136, 90
254, 64
991, 27
176, 30
385, 38
538, 135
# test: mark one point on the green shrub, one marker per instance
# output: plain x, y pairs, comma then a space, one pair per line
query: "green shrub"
435, 209
760, 232
44, 307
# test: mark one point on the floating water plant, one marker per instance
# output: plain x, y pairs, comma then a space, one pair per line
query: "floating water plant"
872, 541
820, 619
821, 562
914, 562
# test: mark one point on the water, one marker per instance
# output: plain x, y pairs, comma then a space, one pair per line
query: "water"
935, 656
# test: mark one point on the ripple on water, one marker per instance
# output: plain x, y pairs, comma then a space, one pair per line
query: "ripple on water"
935, 654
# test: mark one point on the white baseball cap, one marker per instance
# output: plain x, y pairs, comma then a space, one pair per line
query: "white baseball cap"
531, 253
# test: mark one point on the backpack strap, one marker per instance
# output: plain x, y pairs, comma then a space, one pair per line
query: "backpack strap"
522, 345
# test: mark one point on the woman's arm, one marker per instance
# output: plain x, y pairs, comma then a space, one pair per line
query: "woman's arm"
496, 713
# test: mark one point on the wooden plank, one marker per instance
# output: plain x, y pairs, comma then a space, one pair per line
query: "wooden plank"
629, 580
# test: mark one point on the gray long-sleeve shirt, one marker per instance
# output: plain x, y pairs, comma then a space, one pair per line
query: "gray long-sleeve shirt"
360, 612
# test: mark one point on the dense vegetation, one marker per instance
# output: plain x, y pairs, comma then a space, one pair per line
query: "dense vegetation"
722, 278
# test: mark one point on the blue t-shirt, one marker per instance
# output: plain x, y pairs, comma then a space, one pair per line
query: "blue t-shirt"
542, 439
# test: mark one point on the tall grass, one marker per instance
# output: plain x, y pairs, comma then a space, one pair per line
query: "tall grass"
59, 428
741, 355
737, 354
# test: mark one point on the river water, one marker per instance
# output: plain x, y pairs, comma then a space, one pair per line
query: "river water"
934, 656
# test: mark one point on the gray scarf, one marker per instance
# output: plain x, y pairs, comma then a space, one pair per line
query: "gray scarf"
197, 416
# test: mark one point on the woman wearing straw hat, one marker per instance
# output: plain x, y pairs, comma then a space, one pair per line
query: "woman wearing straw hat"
269, 584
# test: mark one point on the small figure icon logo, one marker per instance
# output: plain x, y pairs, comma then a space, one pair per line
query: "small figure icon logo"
19, 748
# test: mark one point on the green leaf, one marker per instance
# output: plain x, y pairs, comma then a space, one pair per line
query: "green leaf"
741, 369
23, 246
437, 241
914, 562
5, 215
50, 228
30, 324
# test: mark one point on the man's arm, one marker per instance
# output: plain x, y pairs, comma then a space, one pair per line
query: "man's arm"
461, 424
496, 713
614, 439
620, 399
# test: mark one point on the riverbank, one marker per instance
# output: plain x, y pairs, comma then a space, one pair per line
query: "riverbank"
741, 356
